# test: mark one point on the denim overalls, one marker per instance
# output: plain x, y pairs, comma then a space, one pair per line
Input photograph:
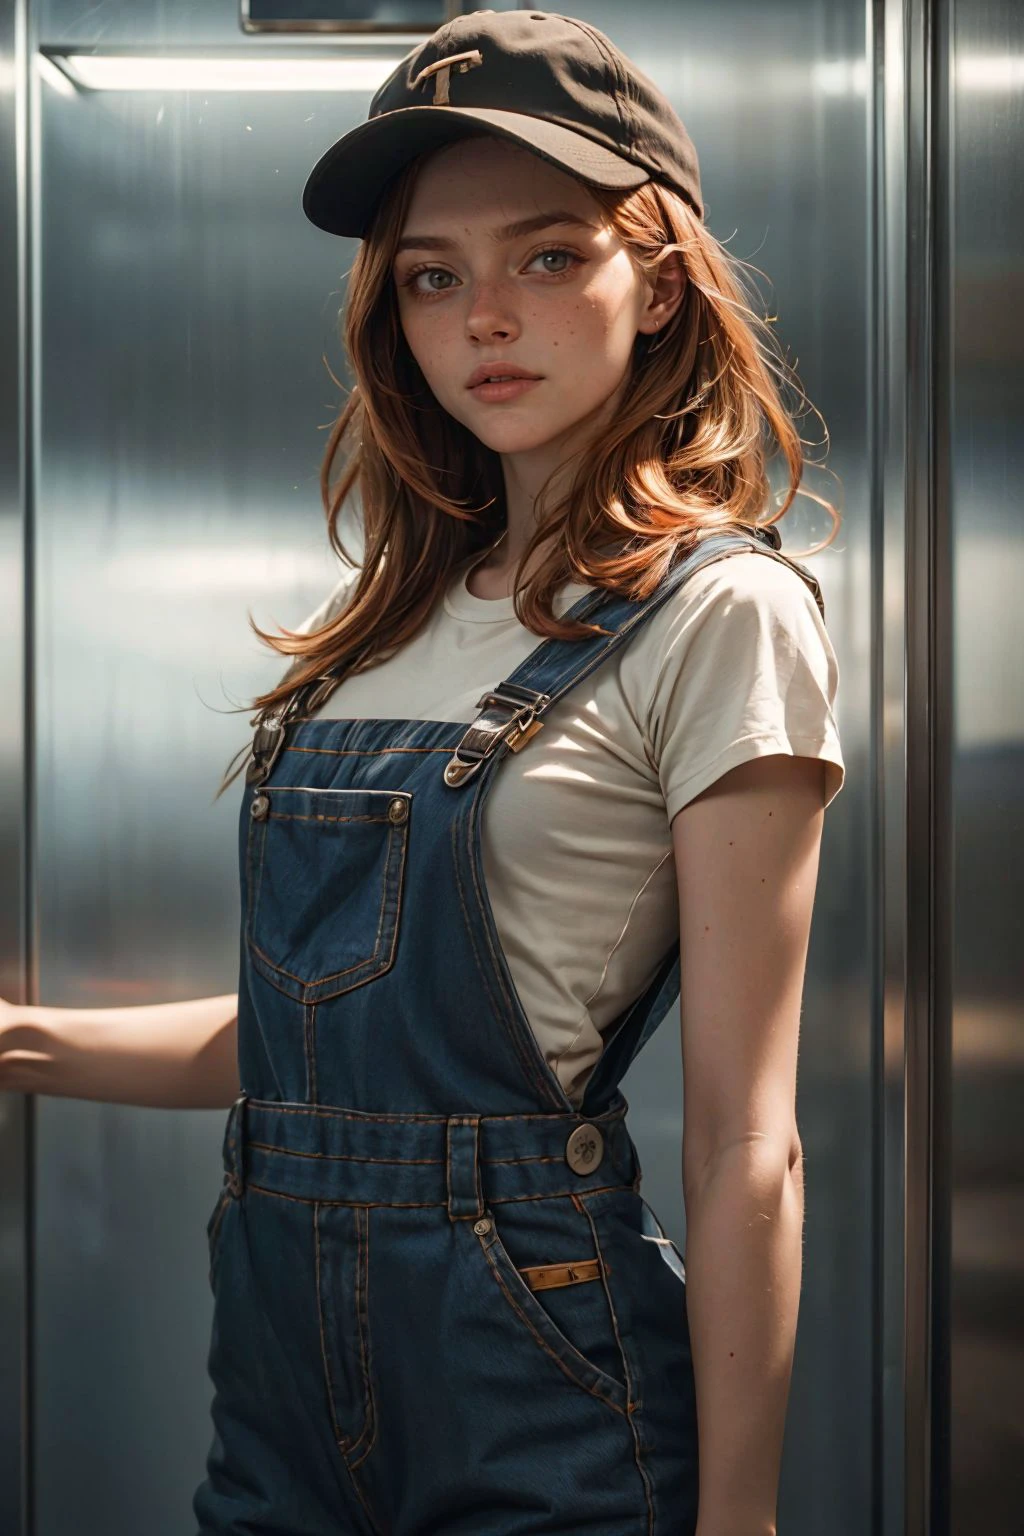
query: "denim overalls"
441, 1304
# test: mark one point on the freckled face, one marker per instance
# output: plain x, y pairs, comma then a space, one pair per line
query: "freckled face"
563, 301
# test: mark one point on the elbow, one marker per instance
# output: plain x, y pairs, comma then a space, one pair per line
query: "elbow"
772, 1158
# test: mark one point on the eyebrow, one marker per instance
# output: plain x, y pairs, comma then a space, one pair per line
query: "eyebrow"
513, 231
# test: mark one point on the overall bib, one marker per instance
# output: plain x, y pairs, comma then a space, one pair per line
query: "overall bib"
441, 1304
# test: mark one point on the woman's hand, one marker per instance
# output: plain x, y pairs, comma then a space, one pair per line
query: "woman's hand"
12, 1051
161, 1055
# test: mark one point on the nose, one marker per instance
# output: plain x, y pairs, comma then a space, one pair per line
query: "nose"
491, 316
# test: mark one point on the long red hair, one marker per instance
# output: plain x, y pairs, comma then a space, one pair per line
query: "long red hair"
686, 456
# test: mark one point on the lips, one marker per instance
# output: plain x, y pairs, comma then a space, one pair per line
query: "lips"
487, 372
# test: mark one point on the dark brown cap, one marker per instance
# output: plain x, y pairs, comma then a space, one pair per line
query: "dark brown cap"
556, 85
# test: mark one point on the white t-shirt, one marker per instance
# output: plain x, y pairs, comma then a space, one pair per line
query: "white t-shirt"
576, 838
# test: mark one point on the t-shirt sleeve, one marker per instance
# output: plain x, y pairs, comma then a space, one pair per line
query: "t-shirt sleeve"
745, 668
333, 603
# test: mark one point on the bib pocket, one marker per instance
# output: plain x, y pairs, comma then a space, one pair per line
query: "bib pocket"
325, 875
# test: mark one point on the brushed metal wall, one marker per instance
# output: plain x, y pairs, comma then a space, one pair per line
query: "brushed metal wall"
15, 599
983, 276
166, 398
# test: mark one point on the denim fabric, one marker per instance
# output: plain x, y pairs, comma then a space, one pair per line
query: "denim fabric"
399, 1156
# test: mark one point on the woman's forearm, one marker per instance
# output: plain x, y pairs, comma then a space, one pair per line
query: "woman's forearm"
164, 1055
744, 1234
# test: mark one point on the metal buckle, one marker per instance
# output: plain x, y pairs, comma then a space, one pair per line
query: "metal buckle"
266, 748
493, 727
268, 739
767, 533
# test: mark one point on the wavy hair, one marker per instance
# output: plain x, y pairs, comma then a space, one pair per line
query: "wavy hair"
687, 454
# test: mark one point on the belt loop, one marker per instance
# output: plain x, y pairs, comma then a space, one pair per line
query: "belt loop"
232, 1146
463, 1167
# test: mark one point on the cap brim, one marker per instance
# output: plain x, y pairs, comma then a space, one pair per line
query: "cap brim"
345, 184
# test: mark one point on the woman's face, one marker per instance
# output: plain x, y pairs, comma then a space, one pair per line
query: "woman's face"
563, 301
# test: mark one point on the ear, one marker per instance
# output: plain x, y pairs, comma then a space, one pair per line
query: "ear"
665, 297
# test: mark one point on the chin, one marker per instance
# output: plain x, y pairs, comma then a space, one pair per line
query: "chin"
510, 436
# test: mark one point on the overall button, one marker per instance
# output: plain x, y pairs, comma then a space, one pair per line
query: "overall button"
398, 810
259, 810
482, 1227
584, 1149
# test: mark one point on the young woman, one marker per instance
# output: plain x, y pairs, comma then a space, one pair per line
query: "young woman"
566, 722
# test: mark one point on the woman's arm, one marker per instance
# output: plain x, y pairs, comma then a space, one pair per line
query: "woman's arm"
163, 1055
746, 853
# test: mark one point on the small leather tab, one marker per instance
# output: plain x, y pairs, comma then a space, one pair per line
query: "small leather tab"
542, 1277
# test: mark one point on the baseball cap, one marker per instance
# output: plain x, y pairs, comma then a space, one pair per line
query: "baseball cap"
552, 83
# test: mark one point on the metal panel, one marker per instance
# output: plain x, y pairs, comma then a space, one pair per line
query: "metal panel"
982, 303
887, 766
181, 315
15, 598
336, 16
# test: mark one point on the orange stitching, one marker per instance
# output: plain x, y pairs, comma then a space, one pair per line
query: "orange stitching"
372, 1117
321, 979
342, 1440
418, 1205
644, 1476
358, 751
341, 1157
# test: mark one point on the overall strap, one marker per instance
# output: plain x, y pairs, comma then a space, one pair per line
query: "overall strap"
514, 711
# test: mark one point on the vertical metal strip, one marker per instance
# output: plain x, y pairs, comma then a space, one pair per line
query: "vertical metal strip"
16, 928
940, 747
927, 760
910, 756
887, 447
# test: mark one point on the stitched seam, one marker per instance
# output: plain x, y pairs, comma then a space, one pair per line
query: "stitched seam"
610, 64
632, 1406
309, 1019
298, 816
342, 1440
402, 1162
366, 1117
255, 869
321, 980
418, 1205
359, 751
370, 1421
399, 877
608, 958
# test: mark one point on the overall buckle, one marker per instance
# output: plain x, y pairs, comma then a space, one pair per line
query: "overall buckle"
509, 716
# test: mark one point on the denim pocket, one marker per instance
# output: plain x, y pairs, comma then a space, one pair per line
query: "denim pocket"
325, 874
213, 1228
549, 1316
